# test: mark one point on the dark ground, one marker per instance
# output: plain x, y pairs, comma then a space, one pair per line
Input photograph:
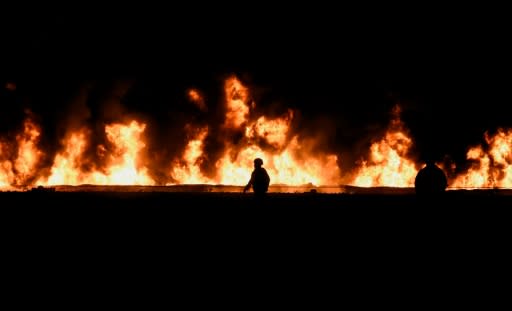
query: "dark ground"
229, 243
458, 212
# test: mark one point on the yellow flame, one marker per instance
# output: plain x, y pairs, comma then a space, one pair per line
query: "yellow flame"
28, 153
388, 164
282, 167
492, 168
288, 161
6, 174
122, 163
188, 170
123, 167
273, 131
66, 168
18, 165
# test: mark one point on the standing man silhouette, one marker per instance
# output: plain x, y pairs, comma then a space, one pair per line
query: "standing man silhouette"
259, 179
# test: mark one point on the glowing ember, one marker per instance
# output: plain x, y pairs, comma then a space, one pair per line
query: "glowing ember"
11, 86
492, 168
388, 164
196, 97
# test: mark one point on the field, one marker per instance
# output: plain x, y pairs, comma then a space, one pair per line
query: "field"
172, 208
359, 232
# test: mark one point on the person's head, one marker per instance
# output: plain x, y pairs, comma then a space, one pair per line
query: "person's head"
258, 162
430, 162
430, 158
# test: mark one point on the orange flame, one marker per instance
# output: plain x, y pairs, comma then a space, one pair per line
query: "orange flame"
198, 99
388, 165
122, 166
287, 160
188, 170
6, 173
66, 168
19, 166
28, 153
492, 168
237, 96
274, 132
284, 167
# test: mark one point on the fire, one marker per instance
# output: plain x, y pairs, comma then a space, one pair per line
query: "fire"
284, 167
237, 96
19, 159
285, 158
388, 164
492, 168
123, 168
289, 158
274, 132
243, 135
28, 153
66, 168
122, 159
188, 170
196, 97
6, 173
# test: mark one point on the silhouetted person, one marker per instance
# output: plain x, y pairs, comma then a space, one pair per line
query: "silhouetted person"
259, 179
430, 180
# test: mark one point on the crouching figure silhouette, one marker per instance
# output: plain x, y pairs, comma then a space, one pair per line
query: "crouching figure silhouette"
430, 180
259, 179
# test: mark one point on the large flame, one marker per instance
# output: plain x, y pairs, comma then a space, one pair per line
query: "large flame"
243, 135
28, 153
6, 173
237, 109
388, 164
287, 160
492, 168
284, 167
66, 169
122, 159
123, 167
188, 169
288, 157
18, 166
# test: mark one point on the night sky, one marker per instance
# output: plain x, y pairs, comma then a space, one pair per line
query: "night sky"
344, 71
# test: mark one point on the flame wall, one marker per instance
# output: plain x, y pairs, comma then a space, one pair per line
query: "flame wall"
205, 142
